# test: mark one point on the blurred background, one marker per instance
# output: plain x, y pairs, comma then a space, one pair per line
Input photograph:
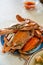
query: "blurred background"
9, 9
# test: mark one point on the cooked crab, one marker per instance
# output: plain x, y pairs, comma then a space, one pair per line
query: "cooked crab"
22, 37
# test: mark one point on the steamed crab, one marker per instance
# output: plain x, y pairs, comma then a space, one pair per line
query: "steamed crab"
22, 37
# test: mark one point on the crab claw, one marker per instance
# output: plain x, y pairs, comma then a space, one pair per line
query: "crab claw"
19, 18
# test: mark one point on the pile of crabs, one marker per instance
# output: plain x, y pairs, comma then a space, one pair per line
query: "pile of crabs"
22, 37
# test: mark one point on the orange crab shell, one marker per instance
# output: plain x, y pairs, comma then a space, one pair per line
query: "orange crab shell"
30, 44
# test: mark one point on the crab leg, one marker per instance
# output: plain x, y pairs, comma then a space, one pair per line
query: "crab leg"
38, 33
6, 31
7, 42
25, 57
5, 48
22, 52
